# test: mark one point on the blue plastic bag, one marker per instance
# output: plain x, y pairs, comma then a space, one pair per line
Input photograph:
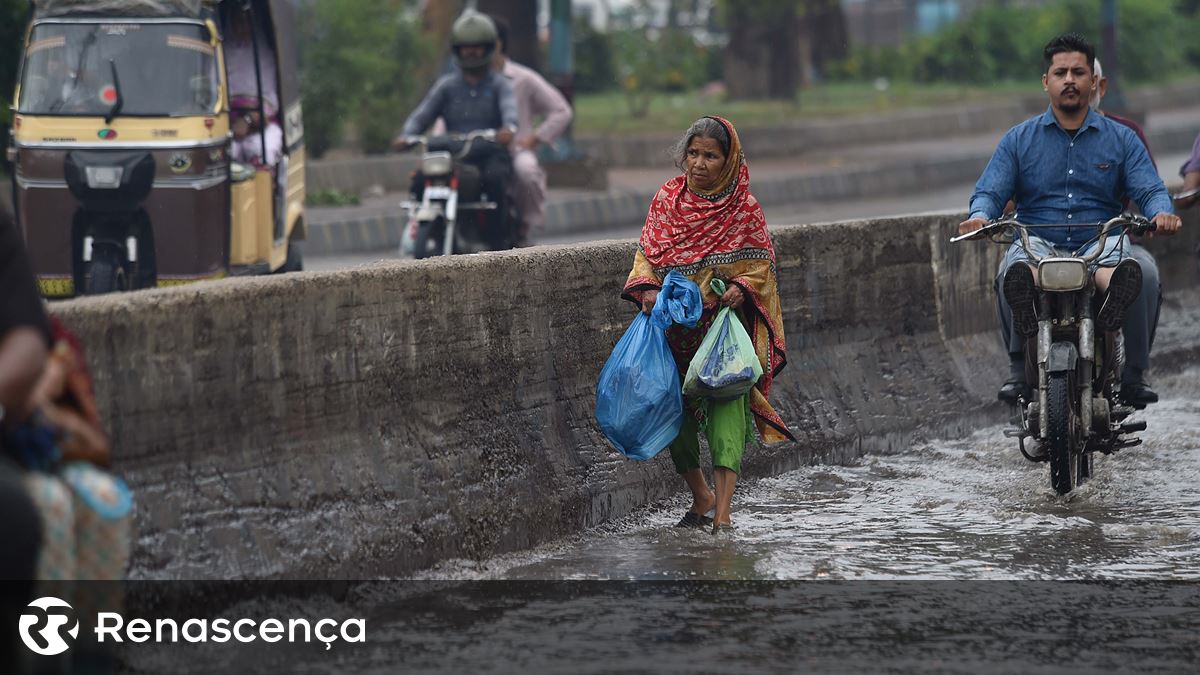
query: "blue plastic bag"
725, 366
639, 403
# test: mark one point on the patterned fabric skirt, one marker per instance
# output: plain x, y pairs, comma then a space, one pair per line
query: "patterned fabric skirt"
86, 523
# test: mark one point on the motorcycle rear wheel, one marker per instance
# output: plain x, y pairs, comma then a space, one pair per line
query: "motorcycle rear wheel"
1060, 434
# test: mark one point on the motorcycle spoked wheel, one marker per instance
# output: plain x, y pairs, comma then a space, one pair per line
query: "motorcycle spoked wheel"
1061, 437
428, 241
105, 273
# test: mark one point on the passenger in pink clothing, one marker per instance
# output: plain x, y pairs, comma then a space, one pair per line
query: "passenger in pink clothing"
535, 98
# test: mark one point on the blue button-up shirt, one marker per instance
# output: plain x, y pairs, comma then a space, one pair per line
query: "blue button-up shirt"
1054, 178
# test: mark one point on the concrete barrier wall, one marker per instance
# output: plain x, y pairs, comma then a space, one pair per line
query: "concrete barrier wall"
377, 421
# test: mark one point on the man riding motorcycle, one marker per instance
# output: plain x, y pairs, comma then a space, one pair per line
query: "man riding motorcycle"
1069, 166
473, 98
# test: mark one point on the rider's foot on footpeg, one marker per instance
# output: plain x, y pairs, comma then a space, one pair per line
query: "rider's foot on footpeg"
1012, 391
1123, 289
1138, 394
1019, 291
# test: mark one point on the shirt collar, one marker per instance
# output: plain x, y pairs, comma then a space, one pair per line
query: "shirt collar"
1092, 120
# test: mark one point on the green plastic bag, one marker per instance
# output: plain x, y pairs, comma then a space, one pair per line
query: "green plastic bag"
725, 366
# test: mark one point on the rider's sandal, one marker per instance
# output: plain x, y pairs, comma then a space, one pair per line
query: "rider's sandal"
1020, 292
722, 529
691, 519
1123, 289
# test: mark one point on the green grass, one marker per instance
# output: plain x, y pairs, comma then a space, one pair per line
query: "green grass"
609, 112
331, 197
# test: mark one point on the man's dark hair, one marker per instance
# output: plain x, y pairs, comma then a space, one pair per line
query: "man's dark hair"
1066, 43
501, 32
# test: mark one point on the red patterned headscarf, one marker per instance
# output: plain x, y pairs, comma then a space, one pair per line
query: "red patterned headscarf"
685, 228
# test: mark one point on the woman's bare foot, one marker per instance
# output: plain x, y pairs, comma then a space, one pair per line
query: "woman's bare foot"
703, 498
702, 504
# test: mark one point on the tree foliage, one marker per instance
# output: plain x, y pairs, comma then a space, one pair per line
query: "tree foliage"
1155, 40
649, 59
357, 66
594, 62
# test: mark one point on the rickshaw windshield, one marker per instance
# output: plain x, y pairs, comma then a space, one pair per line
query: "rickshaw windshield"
161, 69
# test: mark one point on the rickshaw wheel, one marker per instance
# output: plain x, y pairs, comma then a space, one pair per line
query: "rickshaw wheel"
294, 261
105, 274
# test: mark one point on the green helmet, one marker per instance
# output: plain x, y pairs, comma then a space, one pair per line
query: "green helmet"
473, 28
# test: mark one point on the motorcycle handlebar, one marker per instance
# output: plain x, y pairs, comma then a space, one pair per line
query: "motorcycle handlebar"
1133, 224
412, 141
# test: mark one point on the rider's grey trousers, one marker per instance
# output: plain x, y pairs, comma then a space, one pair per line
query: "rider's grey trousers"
1141, 319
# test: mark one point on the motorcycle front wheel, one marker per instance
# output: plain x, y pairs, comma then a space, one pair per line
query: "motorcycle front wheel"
1060, 433
428, 240
105, 273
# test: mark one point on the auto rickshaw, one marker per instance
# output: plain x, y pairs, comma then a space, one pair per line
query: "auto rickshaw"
136, 164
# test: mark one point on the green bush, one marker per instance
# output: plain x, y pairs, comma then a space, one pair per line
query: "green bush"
651, 62
356, 64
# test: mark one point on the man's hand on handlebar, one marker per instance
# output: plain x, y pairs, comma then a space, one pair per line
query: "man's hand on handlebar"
401, 143
504, 136
971, 225
1165, 223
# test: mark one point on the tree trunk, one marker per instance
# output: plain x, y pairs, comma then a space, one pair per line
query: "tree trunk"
437, 16
825, 26
522, 22
763, 56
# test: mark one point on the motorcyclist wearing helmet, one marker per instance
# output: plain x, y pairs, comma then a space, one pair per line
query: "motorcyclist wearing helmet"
473, 98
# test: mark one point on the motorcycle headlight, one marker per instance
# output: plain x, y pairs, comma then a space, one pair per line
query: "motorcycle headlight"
1062, 274
436, 164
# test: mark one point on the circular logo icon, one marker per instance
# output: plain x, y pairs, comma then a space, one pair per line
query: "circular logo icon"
107, 134
44, 625
180, 162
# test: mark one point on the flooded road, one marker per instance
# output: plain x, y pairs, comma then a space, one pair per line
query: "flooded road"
971, 508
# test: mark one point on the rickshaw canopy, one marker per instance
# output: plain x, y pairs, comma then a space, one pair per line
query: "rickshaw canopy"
133, 8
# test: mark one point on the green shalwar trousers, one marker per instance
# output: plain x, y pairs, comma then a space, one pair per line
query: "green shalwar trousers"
726, 433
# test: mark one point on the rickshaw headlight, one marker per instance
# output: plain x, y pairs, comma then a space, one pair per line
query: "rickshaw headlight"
104, 177
1062, 274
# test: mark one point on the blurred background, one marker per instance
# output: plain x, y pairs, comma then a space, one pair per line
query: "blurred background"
648, 64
